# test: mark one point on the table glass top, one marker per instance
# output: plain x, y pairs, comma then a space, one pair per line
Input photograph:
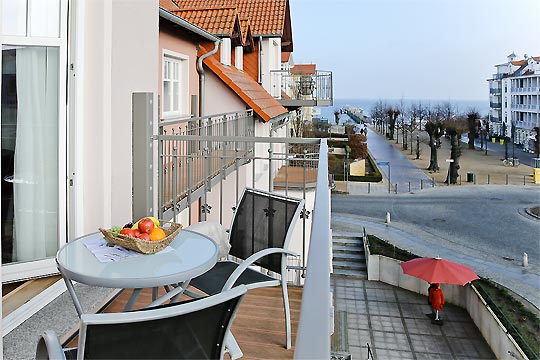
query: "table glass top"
193, 255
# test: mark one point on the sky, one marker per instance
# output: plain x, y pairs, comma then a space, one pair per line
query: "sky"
413, 49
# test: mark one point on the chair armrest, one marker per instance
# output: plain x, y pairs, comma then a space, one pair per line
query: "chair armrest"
249, 261
49, 347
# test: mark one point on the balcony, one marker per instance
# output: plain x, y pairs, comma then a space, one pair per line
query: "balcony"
302, 89
495, 90
494, 105
203, 168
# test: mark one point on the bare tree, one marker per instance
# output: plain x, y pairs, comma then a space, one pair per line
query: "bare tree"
378, 114
392, 114
454, 127
472, 124
435, 130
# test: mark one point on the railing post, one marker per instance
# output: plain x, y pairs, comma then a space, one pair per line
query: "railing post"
189, 187
270, 175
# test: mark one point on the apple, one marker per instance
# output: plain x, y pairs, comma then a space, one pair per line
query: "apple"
144, 236
128, 232
146, 225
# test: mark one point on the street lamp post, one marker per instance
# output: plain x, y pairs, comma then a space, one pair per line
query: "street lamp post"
513, 134
417, 146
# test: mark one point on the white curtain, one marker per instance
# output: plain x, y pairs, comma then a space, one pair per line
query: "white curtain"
35, 183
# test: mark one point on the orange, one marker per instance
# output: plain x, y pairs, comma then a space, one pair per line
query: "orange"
157, 234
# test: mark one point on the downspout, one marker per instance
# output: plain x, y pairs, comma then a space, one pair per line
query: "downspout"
260, 60
200, 70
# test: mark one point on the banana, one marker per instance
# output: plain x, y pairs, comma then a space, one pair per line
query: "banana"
156, 222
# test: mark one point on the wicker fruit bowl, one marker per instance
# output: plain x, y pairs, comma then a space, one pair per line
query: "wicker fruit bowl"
144, 246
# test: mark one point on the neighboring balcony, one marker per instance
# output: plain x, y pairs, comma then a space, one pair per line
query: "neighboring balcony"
495, 105
495, 91
302, 89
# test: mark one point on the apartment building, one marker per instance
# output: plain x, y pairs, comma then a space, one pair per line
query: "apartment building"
515, 98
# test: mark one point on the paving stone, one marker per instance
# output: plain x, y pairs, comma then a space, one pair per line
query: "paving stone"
470, 347
422, 326
358, 337
357, 321
381, 294
432, 356
460, 329
388, 354
387, 323
390, 341
383, 308
430, 343
415, 311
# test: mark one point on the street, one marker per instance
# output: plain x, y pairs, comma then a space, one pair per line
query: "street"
485, 227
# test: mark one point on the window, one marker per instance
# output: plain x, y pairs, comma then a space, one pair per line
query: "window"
31, 18
174, 85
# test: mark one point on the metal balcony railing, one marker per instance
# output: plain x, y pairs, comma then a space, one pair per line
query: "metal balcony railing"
207, 169
495, 90
313, 89
495, 105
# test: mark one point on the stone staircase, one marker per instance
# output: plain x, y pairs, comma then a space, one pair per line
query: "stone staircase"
349, 258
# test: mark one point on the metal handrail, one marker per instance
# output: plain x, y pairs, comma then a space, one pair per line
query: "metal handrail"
313, 336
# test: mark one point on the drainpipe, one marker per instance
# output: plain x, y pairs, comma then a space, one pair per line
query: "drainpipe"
200, 70
259, 60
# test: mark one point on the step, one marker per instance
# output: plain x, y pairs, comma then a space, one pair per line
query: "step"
347, 249
356, 242
350, 273
348, 265
346, 236
345, 256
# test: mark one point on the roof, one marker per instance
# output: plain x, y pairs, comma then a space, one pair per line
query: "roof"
251, 92
245, 28
304, 69
168, 5
220, 21
267, 16
519, 62
285, 56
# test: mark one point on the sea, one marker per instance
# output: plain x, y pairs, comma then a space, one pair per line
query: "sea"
462, 106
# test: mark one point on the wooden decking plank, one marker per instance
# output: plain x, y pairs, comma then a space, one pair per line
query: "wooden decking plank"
259, 326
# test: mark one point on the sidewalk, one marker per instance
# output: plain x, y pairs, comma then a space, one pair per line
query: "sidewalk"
486, 168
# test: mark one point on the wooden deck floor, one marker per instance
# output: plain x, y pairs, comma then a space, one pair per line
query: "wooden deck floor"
259, 326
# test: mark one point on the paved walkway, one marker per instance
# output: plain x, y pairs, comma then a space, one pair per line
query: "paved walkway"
393, 322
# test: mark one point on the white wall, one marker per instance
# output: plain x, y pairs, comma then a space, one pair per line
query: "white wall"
116, 57
270, 60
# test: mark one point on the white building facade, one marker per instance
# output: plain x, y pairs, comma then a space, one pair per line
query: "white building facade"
515, 99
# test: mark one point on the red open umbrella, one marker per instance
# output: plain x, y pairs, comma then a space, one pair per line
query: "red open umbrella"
437, 270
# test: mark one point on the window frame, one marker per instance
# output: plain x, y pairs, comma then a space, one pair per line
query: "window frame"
183, 84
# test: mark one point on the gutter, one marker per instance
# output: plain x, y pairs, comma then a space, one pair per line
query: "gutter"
186, 25
260, 61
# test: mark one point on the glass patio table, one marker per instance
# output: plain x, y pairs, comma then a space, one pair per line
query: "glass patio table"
189, 255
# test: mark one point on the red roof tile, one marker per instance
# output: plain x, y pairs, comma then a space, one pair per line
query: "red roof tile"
267, 16
253, 94
304, 69
219, 21
168, 5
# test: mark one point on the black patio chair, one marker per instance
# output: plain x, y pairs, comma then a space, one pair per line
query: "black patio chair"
190, 330
260, 234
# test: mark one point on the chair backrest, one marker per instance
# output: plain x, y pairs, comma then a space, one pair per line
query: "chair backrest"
263, 220
191, 330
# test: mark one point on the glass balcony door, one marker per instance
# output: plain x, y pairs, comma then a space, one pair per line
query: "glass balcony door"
33, 136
